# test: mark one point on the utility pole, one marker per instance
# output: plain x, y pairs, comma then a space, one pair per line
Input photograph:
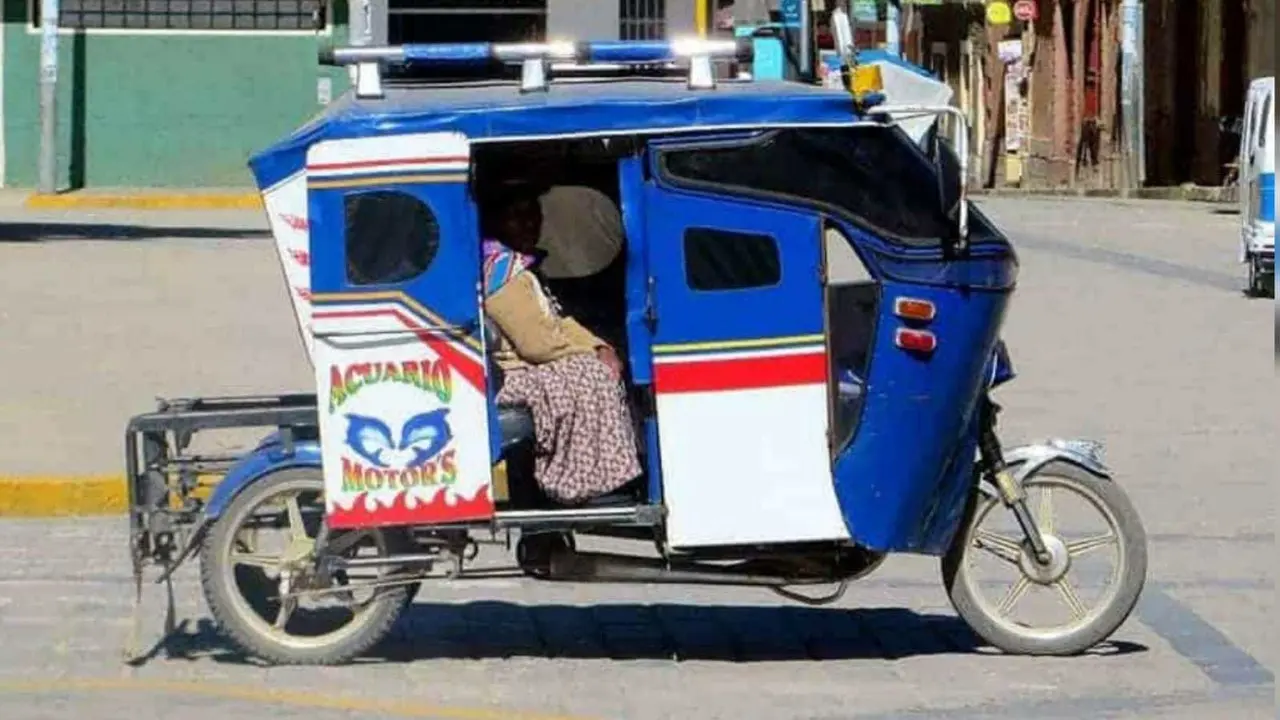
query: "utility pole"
48, 164
1132, 91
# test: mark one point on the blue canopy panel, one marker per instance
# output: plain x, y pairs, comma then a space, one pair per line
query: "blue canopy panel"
490, 111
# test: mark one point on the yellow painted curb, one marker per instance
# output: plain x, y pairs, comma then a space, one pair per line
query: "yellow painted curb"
63, 496
144, 201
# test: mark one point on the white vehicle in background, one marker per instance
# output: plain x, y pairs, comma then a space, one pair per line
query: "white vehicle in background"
1257, 162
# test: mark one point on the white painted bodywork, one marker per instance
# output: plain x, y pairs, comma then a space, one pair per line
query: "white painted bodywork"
747, 466
1257, 157
286, 207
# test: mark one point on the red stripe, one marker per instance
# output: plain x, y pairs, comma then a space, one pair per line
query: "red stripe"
378, 163
741, 373
471, 370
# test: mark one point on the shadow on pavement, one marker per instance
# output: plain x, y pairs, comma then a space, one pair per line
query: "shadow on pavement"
38, 232
663, 631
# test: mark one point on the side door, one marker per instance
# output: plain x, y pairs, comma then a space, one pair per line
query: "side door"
402, 383
739, 370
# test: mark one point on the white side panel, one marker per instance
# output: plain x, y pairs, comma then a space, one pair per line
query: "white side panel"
286, 206
748, 466
904, 87
404, 414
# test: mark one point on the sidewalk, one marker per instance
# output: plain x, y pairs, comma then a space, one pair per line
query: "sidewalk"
1185, 193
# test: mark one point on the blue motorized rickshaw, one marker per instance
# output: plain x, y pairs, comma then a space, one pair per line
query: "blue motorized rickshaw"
809, 313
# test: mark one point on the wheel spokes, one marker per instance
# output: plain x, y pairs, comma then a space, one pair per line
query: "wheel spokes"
1015, 593
1001, 546
258, 560
1069, 596
1045, 521
297, 528
287, 606
1089, 544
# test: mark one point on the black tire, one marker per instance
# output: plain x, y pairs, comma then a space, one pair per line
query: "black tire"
1261, 283
230, 607
1133, 558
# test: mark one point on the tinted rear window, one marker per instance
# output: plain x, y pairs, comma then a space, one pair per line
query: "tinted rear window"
726, 260
876, 175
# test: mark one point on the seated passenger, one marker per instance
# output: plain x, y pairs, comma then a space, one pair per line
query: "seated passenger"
568, 378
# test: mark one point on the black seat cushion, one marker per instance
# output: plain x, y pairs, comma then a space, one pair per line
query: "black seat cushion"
515, 423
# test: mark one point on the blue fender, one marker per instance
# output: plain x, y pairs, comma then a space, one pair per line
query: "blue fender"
267, 458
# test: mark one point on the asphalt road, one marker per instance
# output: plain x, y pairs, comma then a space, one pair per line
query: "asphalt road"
1129, 326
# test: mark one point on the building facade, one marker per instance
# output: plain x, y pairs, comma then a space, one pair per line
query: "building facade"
179, 93
1045, 97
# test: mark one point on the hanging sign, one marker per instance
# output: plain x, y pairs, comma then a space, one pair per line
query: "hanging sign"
1009, 50
1026, 10
998, 13
865, 11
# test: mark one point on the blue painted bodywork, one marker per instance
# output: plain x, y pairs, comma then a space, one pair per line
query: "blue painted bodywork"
690, 316
901, 480
488, 112
1267, 197
268, 457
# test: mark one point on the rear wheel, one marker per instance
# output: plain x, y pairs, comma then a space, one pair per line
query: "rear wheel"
1067, 623
252, 586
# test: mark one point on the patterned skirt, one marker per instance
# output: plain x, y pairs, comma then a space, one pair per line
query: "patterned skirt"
586, 443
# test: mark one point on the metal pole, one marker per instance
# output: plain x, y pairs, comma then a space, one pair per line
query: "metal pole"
48, 169
1141, 116
1130, 89
892, 30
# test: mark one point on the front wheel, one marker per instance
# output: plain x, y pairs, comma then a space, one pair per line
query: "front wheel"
1056, 594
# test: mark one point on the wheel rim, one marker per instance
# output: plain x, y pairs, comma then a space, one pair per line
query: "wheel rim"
255, 574
1057, 583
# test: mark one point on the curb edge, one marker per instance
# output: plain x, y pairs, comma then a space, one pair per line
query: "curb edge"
61, 496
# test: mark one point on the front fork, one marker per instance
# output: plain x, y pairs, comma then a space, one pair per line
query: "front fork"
1011, 492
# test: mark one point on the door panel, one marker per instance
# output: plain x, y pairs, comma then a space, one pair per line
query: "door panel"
740, 375
398, 356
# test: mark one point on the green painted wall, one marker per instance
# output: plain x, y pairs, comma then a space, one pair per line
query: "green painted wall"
157, 110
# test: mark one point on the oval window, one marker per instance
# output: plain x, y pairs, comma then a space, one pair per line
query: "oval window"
391, 237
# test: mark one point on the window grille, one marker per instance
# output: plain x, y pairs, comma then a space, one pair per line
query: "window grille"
642, 19
242, 15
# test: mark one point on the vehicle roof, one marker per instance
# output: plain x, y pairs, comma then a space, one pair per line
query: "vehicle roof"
488, 111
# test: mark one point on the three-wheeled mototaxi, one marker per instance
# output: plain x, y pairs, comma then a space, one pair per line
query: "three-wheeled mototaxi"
809, 311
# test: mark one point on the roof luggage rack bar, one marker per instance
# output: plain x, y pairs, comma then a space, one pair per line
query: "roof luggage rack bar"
536, 59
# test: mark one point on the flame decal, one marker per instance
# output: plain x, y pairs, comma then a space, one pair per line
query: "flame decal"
424, 512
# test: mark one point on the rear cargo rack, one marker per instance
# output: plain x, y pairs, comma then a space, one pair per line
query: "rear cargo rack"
539, 61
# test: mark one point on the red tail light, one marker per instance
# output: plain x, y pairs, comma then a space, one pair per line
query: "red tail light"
920, 341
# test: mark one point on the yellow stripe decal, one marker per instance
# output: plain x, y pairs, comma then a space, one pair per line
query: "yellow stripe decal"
396, 296
754, 344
